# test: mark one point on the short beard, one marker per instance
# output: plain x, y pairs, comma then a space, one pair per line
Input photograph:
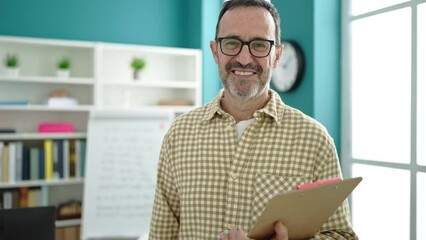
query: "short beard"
245, 92
240, 94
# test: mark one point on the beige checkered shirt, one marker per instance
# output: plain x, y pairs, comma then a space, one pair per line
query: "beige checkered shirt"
209, 181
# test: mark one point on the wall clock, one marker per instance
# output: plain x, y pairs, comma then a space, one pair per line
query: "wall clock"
289, 71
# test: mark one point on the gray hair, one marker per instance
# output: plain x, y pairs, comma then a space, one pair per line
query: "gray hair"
231, 4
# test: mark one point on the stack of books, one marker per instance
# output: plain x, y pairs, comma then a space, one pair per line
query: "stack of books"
55, 159
48, 127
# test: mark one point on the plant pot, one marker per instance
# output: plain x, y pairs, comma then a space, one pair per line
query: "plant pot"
12, 72
137, 74
63, 73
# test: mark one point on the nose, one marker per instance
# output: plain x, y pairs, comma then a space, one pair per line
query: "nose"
244, 57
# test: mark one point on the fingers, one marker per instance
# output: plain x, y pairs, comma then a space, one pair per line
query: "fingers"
223, 236
281, 232
233, 234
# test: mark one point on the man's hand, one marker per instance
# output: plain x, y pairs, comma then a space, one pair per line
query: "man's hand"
238, 234
281, 232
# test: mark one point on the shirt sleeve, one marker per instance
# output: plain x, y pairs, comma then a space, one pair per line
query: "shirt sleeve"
165, 215
338, 226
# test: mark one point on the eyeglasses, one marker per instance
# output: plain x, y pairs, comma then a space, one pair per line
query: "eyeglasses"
258, 47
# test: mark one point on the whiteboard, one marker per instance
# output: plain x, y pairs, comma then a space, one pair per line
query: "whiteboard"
122, 155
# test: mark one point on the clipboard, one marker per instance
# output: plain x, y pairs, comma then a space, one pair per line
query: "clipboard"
303, 211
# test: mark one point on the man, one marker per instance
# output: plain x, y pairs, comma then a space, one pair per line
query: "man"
221, 163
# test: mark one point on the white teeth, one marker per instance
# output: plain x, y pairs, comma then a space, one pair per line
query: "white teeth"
243, 73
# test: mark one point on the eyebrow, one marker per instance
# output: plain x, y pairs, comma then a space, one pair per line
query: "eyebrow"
255, 38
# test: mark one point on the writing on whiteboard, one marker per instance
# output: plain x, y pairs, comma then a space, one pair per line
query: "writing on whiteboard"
121, 174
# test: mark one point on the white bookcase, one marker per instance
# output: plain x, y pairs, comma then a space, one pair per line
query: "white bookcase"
171, 75
100, 78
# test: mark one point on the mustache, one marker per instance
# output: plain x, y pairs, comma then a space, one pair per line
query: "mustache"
250, 66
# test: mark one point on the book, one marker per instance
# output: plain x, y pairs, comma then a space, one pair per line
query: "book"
72, 157
23, 197
18, 160
14, 103
25, 163
15, 198
48, 159
48, 127
5, 164
66, 158
34, 197
60, 157
1, 160
10, 199
34, 163
41, 167
12, 161
55, 159
7, 199
7, 130
77, 158
82, 157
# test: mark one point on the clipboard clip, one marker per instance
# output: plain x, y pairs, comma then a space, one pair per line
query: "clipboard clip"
319, 182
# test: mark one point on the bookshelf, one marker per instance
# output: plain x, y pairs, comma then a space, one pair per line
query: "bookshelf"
100, 79
171, 75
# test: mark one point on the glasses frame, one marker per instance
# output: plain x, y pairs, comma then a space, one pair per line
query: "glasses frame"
272, 42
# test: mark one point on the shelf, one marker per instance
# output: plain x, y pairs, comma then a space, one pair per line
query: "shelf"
48, 79
132, 48
178, 109
41, 136
38, 183
152, 84
68, 223
45, 108
46, 42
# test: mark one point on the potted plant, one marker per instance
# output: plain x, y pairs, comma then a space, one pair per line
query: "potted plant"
12, 65
63, 68
137, 64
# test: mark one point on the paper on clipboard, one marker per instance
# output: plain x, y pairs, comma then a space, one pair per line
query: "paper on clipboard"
303, 211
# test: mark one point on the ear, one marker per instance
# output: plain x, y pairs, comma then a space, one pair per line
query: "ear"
278, 54
213, 47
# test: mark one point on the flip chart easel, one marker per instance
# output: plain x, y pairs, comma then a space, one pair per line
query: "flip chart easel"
122, 155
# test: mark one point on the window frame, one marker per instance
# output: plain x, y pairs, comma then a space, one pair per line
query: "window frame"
346, 111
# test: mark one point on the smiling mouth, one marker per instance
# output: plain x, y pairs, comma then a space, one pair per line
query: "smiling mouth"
243, 73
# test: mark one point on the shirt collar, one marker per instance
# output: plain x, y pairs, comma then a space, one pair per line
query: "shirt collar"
273, 109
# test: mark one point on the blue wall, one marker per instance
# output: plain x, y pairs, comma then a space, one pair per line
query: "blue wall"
191, 24
126, 21
315, 26
211, 80
297, 19
327, 66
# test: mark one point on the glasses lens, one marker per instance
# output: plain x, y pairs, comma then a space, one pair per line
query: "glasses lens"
260, 48
230, 46
233, 46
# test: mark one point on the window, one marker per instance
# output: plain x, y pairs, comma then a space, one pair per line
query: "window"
421, 84
384, 115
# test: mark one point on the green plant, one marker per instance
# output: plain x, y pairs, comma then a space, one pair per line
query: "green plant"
138, 63
11, 61
64, 63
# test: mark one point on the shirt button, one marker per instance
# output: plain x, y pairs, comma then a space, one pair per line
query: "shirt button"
234, 175
229, 226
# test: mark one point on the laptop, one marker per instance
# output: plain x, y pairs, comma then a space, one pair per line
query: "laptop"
28, 223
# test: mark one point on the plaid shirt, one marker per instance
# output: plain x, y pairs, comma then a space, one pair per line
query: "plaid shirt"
208, 181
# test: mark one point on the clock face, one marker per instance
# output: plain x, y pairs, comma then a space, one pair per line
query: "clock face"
288, 72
